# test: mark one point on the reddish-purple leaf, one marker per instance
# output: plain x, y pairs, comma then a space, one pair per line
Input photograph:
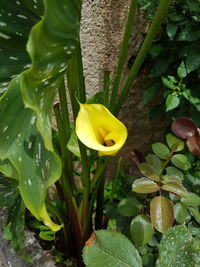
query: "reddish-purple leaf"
184, 127
193, 143
162, 213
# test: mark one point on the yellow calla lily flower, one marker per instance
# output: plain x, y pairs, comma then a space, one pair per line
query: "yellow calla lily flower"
98, 129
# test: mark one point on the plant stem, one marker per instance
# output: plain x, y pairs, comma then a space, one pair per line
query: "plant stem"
155, 25
106, 83
100, 203
66, 154
122, 54
115, 180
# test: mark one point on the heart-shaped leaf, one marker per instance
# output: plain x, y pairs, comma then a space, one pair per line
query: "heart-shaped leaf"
145, 185
110, 249
141, 230
162, 214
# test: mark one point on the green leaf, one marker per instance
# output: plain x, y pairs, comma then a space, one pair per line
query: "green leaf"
155, 50
150, 92
161, 150
172, 101
111, 249
175, 188
181, 213
141, 230
17, 19
155, 162
182, 72
189, 33
47, 235
181, 162
192, 60
191, 200
26, 138
171, 29
178, 248
195, 212
168, 178
174, 143
129, 206
174, 171
170, 82
14, 225
149, 171
73, 145
145, 185
162, 214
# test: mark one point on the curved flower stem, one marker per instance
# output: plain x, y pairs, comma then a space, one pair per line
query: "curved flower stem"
122, 55
155, 25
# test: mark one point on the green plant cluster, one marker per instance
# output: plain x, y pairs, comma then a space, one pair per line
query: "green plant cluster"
175, 57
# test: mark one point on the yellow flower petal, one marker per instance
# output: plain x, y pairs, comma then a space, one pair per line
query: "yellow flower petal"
98, 129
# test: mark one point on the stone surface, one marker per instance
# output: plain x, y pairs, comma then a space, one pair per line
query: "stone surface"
102, 28
9, 258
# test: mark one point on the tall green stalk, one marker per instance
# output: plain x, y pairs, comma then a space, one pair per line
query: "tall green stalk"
155, 25
123, 51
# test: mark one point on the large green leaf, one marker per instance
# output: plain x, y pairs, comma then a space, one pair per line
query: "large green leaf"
110, 249
178, 248
17, 19
14, 225
25, 108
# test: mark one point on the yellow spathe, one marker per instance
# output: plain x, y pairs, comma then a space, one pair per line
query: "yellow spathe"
98, 129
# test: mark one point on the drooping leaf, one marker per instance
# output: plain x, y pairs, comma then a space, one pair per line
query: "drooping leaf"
174, 143
141, 230
161, 150
25, 140
181, 213
145, 185
149, 171
175, 188
183, 127
129, 206
172, 101
191, 200
110, 249
178, 248
181, 162
162, 214
155, 162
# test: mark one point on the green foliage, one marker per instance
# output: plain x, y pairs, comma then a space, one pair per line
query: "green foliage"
110, 249
178, 247
176, 59
14, 225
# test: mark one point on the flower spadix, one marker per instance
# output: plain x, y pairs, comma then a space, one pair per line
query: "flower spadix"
98, 129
